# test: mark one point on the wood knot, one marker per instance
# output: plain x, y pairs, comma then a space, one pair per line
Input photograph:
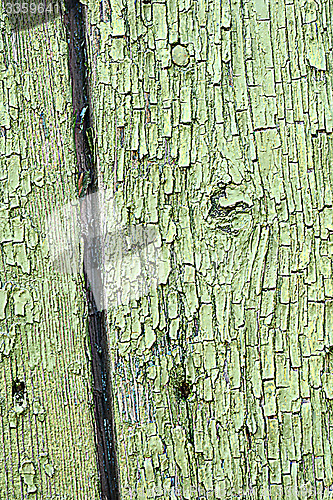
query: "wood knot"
230, 208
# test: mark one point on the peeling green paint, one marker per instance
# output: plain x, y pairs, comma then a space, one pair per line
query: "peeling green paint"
49, 409
214, 124
236, 115
27, 471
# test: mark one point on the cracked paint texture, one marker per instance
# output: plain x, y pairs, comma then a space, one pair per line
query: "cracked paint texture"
213, 121
46, 414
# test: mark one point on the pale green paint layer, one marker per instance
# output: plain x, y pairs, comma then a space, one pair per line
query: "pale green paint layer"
47, 433
187, 95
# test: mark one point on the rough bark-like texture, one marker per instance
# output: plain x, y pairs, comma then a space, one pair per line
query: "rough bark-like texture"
47, 432
214, 123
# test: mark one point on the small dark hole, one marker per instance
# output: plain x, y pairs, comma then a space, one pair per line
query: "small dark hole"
184, 389
18, 388
248, 436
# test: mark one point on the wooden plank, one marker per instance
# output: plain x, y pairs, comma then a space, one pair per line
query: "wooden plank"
47, 427
210, 126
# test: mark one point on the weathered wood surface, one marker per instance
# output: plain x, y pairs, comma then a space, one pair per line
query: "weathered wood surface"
214, 123
47, 432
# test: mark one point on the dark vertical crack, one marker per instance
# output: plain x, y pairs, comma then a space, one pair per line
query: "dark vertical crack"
74, 19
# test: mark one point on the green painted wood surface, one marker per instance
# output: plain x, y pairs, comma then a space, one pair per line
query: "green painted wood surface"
214, 123
47, 434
